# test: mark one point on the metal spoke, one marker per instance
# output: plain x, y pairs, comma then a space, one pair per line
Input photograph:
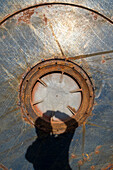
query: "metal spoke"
42, 82
72, 110
38, 102
75, 91
61, 78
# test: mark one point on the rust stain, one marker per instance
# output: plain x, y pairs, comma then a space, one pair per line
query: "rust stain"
4, 167
103, 60
24, 118
86, 157
89, 55
80, 163
26, 16
49, 6
95, 16
3, 37
97, 149
109, 167
92, 167
90, 156
56, 40
55, 3
50, 65
73, 156
45, 19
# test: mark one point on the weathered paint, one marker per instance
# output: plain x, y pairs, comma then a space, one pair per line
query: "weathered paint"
22, 45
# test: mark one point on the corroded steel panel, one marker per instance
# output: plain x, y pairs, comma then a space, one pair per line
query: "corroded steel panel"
56, 30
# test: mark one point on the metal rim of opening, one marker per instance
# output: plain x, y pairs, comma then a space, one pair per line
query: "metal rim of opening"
63, 67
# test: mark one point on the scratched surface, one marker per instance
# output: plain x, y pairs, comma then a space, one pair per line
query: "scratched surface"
46, 32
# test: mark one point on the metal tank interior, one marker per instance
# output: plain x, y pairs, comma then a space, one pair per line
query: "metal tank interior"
56, 102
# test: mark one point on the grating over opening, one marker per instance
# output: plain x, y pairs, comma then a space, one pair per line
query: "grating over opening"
57, 91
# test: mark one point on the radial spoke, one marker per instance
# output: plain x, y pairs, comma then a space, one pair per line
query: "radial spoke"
90, 55
72, 110
38, 102
75, 91
56, 40
61, 78
42, 82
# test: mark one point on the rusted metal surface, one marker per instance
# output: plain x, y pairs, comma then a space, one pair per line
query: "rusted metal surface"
109, 167
34, 102
105, 7
49, 31
3, 167
27, 12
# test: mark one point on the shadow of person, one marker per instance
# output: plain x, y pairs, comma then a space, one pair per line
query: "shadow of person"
50, 151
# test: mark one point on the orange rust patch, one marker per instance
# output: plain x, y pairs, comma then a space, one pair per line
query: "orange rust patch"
97, 149
4, 167
73, 156
92, 167
45, 19
109, 167
49, 6
3, 37
26, 16
95, 16
103, 59
80, 162
85, 159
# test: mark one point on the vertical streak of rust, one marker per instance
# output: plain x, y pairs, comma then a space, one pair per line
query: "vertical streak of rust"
61, 78
56, 40
72, 110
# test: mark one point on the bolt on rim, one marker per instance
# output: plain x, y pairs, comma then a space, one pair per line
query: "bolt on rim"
58, 91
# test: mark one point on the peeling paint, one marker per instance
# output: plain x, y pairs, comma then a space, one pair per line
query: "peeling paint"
92, 167
97, 150
45, 19
87, 40
108, 167
103, 60
73, 156
95, 16
26, 16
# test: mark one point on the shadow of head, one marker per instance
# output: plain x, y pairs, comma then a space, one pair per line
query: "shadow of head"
50, 151
43, 124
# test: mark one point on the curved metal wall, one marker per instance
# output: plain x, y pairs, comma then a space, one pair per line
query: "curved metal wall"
50, 31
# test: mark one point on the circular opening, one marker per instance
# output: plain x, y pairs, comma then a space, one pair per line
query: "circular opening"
56, 92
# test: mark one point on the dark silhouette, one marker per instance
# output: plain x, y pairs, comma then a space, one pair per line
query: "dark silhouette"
49, 151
